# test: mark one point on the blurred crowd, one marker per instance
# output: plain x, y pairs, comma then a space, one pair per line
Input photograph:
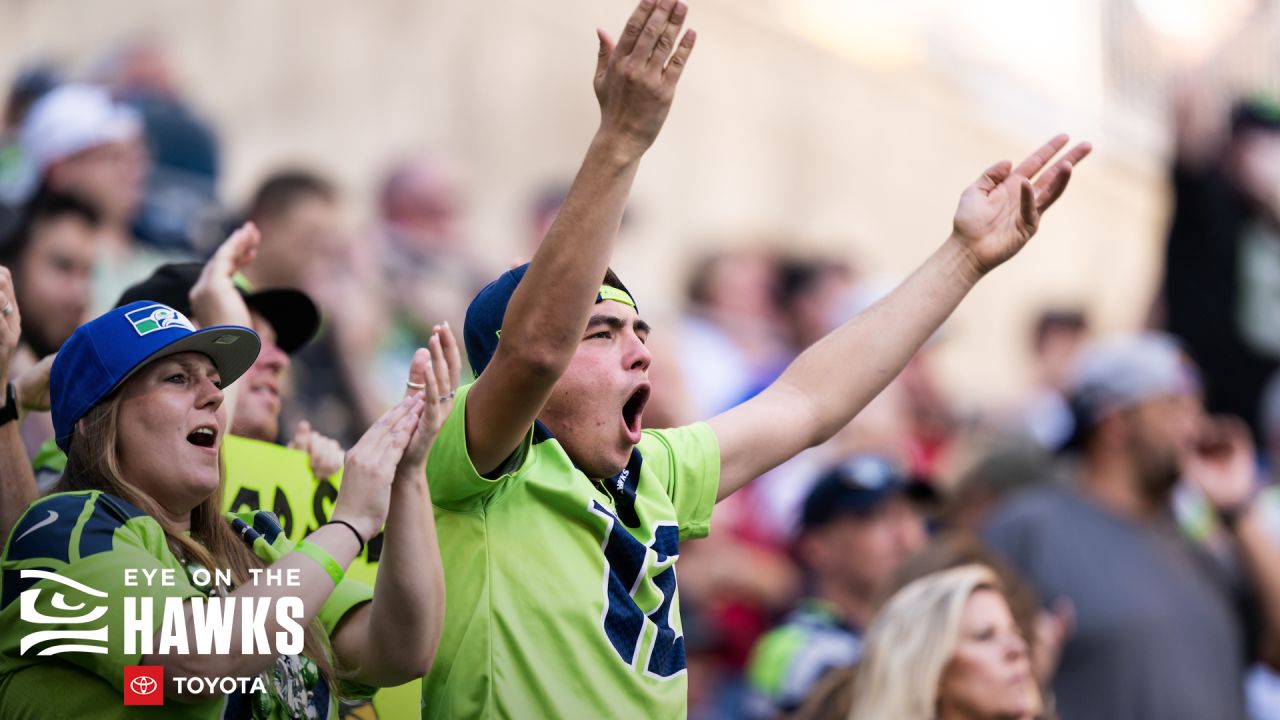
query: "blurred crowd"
1113, 538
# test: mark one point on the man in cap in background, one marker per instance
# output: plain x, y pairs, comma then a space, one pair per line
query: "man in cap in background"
1159, 632
285, 320
860, 522
80, 141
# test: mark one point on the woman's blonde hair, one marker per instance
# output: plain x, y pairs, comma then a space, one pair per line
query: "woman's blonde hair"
910, 643
93, 463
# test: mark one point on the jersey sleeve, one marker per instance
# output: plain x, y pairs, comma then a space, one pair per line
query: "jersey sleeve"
71, 561
270, 543
691, 469
455, 484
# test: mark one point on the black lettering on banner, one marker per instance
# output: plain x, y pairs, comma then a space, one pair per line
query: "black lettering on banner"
246, 499
325, 491
284, 513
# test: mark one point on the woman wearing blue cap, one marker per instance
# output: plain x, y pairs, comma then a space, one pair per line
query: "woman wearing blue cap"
133, 564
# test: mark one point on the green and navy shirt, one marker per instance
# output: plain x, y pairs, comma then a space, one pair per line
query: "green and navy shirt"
561, 591
265, 475
88, 540
787, 663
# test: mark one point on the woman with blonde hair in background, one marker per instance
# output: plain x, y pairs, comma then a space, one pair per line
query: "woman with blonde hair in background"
946, 647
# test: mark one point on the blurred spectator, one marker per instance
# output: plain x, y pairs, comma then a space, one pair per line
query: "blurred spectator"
305, 246
946, 647
1222, 268
733, 343
1010, 465
428, 275
546, 205
80, 141
733, 584
17, 176
1158, 632
1044, 630
814, 297
859, 525
50, 254
1056, 341
181, 190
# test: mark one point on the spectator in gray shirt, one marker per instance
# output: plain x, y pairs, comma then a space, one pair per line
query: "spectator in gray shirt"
1163, 630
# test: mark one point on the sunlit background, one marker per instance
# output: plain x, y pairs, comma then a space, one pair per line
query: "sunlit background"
846, 126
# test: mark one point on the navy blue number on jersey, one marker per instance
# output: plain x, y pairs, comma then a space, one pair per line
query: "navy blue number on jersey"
624, 621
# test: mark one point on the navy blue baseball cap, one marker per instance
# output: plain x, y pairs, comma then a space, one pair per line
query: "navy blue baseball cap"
483, 325
859, 486
104, 352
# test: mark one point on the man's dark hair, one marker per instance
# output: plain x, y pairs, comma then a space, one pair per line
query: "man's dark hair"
46, 206
281, 191
611, 280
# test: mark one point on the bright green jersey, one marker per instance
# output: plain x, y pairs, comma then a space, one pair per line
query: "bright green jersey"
561, 592
265, 475
84, 542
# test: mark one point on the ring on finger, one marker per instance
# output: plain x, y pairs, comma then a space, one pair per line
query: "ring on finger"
448, 396
7, 310
416, 386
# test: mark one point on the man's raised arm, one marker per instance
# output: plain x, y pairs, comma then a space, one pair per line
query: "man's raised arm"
824, 388
635, 81
17, 481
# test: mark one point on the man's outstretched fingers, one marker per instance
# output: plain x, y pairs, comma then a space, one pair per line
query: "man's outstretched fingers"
1027, 195
635, 25
652, 31
602, 59
993, 176
1051, 183
667, 40
1055, 183
1036, 161
680, 57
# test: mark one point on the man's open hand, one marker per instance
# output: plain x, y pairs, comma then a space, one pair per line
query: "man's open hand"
636, 77
1000, 212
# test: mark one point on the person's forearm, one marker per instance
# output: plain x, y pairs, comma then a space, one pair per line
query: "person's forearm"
549, 309
17, 480
407, 612
313, 589
1262, 559
840, 374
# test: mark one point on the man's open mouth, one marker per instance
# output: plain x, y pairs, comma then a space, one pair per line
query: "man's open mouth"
633, 409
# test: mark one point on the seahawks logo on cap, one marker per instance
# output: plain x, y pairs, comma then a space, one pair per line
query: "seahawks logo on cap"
151, 318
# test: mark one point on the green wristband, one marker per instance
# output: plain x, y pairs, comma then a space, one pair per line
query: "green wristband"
322, 558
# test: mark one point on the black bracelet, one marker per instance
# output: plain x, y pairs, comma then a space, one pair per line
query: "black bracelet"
354, 531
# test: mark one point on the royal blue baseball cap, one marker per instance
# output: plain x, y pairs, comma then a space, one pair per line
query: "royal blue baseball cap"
483, 325
104, 352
